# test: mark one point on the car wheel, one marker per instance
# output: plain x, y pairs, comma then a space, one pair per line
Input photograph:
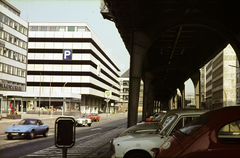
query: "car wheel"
46, 133
9, 137
77, 124
89, 125
31, 135
137, 154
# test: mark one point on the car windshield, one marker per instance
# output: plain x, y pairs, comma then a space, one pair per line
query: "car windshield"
94, 114
27, 122
159, 117
167, 124
194, 125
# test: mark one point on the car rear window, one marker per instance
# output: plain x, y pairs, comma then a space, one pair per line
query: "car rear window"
194, 125
230, 133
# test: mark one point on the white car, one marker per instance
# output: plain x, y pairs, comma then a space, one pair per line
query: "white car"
83, 121
139, 143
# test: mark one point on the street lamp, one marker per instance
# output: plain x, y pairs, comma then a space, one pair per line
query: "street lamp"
64, 98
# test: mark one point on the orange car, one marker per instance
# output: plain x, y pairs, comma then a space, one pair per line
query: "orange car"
96, 117
90, 116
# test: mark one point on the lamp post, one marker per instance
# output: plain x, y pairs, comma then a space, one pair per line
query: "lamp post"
64, 104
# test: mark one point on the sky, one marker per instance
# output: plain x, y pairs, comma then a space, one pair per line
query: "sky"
87, 11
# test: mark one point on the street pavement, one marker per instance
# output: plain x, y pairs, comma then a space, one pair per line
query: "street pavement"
100, 146
50, 119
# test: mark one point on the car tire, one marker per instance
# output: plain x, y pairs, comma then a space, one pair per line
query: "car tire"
89, 125
9, 137
138, 154
46, 133
31, 135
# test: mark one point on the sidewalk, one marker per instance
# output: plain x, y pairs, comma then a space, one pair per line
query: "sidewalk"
49, 119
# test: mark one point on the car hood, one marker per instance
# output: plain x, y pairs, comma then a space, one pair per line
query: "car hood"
139, 137
19, 128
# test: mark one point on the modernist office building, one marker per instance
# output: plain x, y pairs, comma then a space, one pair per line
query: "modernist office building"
13, 54
67, 66
221, 79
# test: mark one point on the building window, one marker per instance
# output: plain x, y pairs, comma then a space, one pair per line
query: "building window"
1, 67
52, 28
71, 28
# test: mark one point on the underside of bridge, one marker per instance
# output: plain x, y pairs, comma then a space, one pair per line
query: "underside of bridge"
169, 41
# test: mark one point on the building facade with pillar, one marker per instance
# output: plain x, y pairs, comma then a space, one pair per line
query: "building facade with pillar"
221, 79
13, 57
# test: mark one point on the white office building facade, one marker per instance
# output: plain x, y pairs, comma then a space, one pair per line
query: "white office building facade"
67, 67
13, 55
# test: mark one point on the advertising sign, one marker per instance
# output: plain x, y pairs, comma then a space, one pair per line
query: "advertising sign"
108, 94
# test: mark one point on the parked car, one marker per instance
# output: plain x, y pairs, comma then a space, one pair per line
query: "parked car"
140, 143
83, 120
28, 128
214, 134
96, 117
156, 119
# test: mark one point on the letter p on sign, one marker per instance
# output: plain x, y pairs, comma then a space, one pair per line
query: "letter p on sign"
67, 54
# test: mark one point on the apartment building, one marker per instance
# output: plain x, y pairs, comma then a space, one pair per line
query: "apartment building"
13, 54
67, 67
221, 79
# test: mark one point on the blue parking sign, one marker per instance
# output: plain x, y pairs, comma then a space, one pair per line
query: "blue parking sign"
67, 54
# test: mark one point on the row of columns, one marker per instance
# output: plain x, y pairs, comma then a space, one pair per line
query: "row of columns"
137, 54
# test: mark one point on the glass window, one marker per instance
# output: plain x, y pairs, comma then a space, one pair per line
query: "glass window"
34, 28
11, 54
194, 125
48, 28
5, 52
71, 28
25, 31
14, 70
5, 68
230, 133
43, 28
1, 34
1, 67
6, 37
11, 38
24, 59
1, 50
16, 40
81, 28
15, 56
21, 28
57, 28
62, 28
11, 23
20, 43
20, 57
1, 17
23, 73
52, 28
6, 20
19, 72
16, 26
9, 69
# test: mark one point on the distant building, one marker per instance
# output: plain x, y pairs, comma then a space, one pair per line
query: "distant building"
13, 54
124, 92
221, 79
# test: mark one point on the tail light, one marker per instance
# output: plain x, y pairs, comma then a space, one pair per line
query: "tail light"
156, 151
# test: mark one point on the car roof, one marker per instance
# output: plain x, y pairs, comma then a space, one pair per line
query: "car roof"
185, 111
224, 114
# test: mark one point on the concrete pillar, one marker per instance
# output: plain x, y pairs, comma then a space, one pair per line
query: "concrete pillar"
145, 97
35, 103
182, 90
196, 82
176, 101
139, 45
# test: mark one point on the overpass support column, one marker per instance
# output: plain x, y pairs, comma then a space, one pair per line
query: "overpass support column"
170, 103
147, 81
137, 52
175, 101
197, 86
150, 104
182, 89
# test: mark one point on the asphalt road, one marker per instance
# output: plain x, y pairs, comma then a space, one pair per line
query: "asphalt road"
90, 142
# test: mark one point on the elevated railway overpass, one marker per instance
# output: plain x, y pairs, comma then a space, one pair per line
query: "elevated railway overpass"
169, 41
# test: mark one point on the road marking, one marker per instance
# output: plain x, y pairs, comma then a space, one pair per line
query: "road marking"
96, 129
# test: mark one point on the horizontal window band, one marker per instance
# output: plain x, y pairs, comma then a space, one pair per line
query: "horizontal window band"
64, 62
69, 84
67, 73
89, 40
85, 51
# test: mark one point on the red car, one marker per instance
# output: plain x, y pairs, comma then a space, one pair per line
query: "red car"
90, 116
96, 117
214, 134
